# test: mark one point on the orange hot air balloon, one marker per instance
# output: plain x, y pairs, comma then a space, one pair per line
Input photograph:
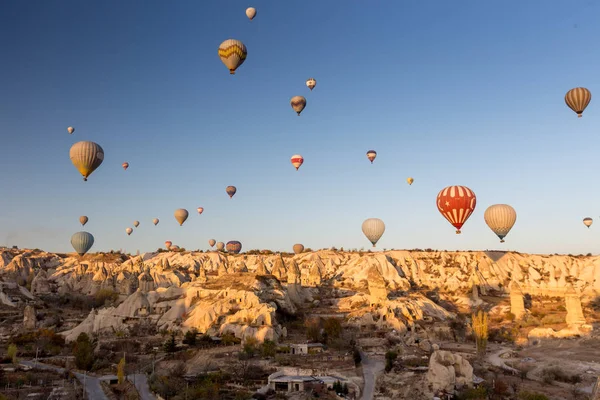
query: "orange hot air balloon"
200, 210
168, 244
125, 165
456, 204
578, 99
297, 160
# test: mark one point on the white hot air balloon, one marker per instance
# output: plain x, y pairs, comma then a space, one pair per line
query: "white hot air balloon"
251, 13
373, 229
500, 218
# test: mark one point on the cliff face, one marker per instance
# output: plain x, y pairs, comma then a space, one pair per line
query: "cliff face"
215, 292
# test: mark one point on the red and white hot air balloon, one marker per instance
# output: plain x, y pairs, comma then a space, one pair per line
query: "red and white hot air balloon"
456, 204
168, 244
200, 209
297, 160
125, 165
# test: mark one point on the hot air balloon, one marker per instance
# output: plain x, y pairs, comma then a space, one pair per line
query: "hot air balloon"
200, 210
136, 223
456, 204
174, 247
500, 218
298, 103
231, 190
373, 229
251, 13
578, 99
212, 242
83, 220
220, 246
70, 130
233, 54
155, 221
181, 215
234, 247
311, 83
298, 248
410, 181
82, 242
297, 160
128, 230
125, 165
371, 155
168, 244
86, 157
588, 221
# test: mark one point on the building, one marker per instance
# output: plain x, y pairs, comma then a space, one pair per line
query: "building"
306, 348
280, 382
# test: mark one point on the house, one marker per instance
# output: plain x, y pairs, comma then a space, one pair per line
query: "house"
280, 382
306, 348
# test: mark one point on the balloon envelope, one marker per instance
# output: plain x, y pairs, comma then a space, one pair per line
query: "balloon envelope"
82, 242
251, 13
233, 54
168, 244
220, 246
125, 165
298, 248
200, 210
234, 247
311, 83
181, 214
231, 190
128, 230
373, 229
70, 130
212, 242
155, 221
410, 181
86, 157
588, 221
298, 103
83, 220
456, 204
371, 155
578, 99
500, 218
297, 160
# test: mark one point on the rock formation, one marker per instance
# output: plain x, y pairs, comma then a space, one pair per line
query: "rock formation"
448, 371
377, 286
29, 318
279, 270
261, 268
517, 303
146, 281
573, 305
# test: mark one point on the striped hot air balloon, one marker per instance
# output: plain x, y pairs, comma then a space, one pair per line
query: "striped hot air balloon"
578, 99
298, 103
588, 221
456, 204
82, 242
373, 228
86, 157
500, 218
298, 248
233, 54
371, 155
311, 83
233, 246
297, 161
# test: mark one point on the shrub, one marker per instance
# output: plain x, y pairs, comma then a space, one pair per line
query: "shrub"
532, 396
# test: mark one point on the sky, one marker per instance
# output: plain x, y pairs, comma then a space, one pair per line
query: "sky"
450, 93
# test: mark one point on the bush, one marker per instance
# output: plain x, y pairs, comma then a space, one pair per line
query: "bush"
104, 297
552, 374
532, 396
190, 337
83, 352
390, 357
479, 393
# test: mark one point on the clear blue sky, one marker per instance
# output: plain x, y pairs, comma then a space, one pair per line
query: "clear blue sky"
450, 93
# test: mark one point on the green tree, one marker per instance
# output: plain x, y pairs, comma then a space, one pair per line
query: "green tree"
390, 357
190, 337
332, 328
121, 371
268, 348
12, 353
83, 352
480, 329
170, 345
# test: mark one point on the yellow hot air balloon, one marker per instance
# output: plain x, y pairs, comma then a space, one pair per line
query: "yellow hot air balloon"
578, 99
86, 157
298, 103
500, 218
410, 181
251, 13
233, 54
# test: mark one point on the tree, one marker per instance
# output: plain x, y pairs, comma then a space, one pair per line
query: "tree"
121, 371
357, 357
313, 330
83, 352
332, 328
190, 337
170, 346
268, 348
390, 357
12, 353
480, 329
